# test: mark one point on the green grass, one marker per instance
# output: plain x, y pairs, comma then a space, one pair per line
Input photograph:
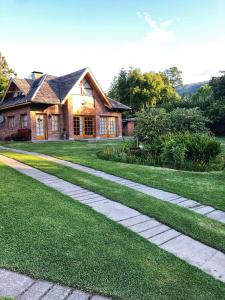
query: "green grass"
197, 226
47, 235
207, 188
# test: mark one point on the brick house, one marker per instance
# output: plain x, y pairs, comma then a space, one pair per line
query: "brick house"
72, 106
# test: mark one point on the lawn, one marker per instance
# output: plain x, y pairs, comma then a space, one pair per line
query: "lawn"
195, 225
47, 235
207, 188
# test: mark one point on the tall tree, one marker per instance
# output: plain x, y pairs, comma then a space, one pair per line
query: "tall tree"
141, 90
5, 74
218, 86
174, 76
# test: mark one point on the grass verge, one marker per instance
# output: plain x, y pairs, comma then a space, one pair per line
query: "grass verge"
47, 235
199, 227
206, 187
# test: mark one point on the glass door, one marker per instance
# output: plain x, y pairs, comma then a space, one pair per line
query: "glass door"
40, 127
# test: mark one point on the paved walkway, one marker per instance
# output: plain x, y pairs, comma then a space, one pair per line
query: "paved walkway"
195, 253
209, 211
22, 287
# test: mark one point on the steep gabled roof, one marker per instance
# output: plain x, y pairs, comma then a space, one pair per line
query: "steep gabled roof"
50, 89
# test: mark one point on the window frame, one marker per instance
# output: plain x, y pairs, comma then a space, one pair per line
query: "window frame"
22, 121
54, 122
9, 119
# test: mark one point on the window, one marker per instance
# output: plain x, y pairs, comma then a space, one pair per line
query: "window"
11, 122
103, 125
77, 125
112, 125
55, 122
88, 125
108, 126
24, 121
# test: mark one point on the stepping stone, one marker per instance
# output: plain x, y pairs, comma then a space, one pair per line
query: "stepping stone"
203, 210
99, 298
215, 266
217, 215
144, 226
154, 231
57, 292
190, 250
134, 220
161, 238
37, 290
12, 284
116, 211
79, 295
178, 200
188, 203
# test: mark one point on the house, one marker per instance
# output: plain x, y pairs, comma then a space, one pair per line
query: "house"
128, 126
73, 106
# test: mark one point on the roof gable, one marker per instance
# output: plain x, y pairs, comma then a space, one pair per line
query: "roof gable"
55, 90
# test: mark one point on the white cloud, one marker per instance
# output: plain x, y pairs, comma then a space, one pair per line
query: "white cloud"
159, 32
158, 49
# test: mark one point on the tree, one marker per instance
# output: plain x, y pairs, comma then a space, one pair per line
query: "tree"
218, 86
174, 76
141, 90
5, 74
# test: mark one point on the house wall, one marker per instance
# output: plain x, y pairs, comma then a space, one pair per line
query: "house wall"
93, 106
47, 111
128, 130
16, 112
75, 105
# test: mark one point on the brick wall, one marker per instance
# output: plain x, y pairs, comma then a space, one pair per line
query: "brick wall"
128, 127
48, 112
16, 112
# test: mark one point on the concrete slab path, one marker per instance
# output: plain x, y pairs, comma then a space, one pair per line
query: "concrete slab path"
193, 252
22, 287
193, 205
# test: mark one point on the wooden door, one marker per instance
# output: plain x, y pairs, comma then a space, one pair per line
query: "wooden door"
40, 127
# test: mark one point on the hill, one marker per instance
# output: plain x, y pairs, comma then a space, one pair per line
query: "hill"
190, 88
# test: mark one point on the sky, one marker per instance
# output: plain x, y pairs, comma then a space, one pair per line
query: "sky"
61, 36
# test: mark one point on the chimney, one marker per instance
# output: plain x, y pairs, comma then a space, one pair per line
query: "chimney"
36, 75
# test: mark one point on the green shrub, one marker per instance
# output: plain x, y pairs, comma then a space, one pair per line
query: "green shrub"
157, 122
191, 120
151, 124
197, 152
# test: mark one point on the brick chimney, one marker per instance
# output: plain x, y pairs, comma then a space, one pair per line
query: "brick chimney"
36, 75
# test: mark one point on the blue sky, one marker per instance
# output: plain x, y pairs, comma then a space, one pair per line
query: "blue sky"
60, 36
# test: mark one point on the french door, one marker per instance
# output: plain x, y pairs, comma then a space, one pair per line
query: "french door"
108, 127
40, 126
84, 126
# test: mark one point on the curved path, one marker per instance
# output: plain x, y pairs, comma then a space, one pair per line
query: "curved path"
209, 211
193, 252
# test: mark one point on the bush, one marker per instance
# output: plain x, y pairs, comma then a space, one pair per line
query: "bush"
197, 152
151, 124
191, 120
23, 134
157, 122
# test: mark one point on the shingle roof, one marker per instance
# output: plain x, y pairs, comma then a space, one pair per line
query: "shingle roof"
118, 106
50, 89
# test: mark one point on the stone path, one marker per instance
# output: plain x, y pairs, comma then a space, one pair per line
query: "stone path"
209, 211
22, 287
194, 252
